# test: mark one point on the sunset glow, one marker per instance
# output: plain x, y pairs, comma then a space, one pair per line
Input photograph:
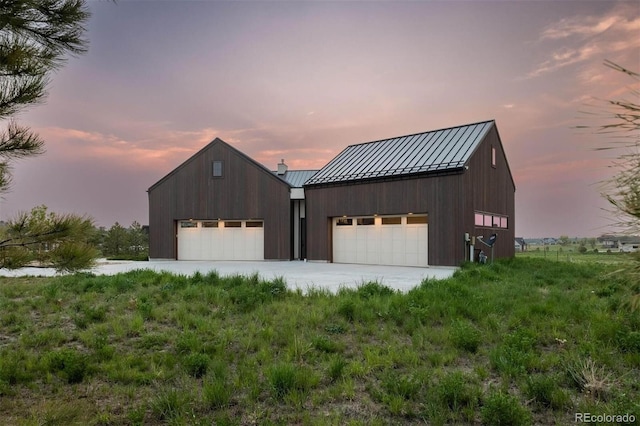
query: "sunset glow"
302, 81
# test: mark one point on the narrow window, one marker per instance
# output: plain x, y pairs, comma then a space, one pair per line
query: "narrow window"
210, 224
254, 224
493, 156
233, 224
411, 220
217, 169
479, 219
188, 224
488, 220
503, 223
344, 222
391, 220
366, 221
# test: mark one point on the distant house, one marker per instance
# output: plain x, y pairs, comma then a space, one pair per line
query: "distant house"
621, 242
415, 200
609, 242
520, 244
630, 246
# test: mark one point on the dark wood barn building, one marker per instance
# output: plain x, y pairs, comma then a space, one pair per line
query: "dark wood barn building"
416, 200
220, 204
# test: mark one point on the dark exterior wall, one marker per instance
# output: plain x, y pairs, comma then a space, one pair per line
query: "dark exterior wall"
439, 196
492, 190
246, 191
450, 200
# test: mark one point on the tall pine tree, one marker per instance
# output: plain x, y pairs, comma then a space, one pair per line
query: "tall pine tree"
36, 36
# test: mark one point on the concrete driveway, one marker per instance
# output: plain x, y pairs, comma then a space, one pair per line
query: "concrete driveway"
297, 274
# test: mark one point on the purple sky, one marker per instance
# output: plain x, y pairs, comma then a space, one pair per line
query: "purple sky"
301, 81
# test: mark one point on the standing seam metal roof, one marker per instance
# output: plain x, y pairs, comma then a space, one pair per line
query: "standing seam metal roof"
296, 178
436, 150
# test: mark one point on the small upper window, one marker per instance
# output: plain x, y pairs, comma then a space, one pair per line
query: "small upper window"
366, 221
344, 222
217, 169
188, 224
395, 220
493, 156
412, 220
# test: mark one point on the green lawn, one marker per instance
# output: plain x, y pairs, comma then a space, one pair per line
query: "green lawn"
522, 341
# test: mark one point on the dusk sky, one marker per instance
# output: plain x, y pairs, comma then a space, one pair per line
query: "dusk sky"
302, 80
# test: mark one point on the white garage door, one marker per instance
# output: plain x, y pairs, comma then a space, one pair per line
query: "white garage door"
221, 240
392, 240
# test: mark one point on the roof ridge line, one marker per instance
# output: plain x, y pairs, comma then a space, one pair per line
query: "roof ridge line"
421, 133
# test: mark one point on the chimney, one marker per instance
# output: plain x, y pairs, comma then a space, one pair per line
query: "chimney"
282, 168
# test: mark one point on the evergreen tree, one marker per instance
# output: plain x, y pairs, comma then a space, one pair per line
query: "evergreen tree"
35, 38
41, 238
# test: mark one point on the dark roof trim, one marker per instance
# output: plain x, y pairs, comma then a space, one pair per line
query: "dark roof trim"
429, 174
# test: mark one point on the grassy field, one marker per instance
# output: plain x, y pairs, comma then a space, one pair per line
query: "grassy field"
571, 253
522, 341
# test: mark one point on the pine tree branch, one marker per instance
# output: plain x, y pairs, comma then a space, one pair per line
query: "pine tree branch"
18, 93
19, 142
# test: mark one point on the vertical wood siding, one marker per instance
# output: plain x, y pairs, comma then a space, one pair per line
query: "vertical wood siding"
450, 201
437, 196
246, 191
491, 190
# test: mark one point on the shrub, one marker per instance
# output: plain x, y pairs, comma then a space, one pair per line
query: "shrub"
216, 393
169, 404
465, 336
628, 340
589, 378
69, 363
282, 378
286, 378
324, 344
188, 342
335, 328
406, 387
546, 392
455, 393
347, 309
515, 355
503, 409
196, 364
336, 368
13, 367
373, 288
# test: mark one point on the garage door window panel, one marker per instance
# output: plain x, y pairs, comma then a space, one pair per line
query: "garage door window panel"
392, 220
417, 220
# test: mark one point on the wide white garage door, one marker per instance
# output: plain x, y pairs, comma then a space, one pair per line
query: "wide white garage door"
221, 240
392, 240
